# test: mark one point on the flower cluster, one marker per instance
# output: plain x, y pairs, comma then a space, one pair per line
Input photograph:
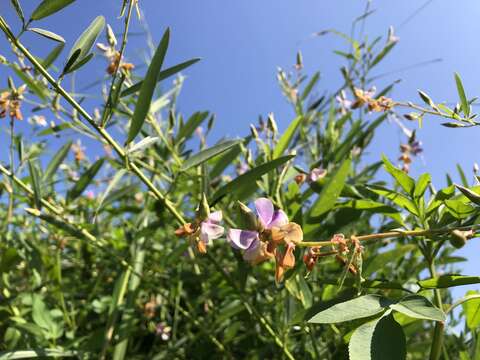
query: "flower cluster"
365, 97
412, 148
10, 102
268, 234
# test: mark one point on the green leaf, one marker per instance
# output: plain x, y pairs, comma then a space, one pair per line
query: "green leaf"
148, 87
40, 314
471, 309
164, 74
379, 260
382, 54
39, 353
426, 99
396, 198
471, 195
209, 153
418, 307
358, 308
298, 287
227, 158
116, 178
421, 186
446, 281
287, 137
247, 180
331, 191
379, 339
35, 179
37, 87
9, 259
405, 181
78, 64
374, 207
308, 88
18, 9
49, 7
52, 56
56, 161
48, 34
461, 94
189, 127
458, 209
84, 43
84, 180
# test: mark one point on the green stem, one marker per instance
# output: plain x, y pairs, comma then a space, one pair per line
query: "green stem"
437, 342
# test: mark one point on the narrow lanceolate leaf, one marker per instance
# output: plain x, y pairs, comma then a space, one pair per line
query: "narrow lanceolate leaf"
49, 7
224, 160
379, 339
38, 88
39, 353
471, 309
48, 34
461, 94
446, 281
78, 64
405, 181
471, 195
382, 54
287, 137
142, 145
84, 181
209, 153
164, 74
56, 162
18, 9
331, 191
35, 179
52, 56
147, 88
118, 176
189, 127
418, 307
85, 42
358, 308
249, 178
379, 261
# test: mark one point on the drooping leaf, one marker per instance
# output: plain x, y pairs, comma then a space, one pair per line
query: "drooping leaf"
18, 9
446, 281
358, 308
164, 74
56, 161
418, 307
48, 34
331, 191
461, 94
248, 179
379, 339
287, 137
85, 42
208, 153
49, 7
148, 87
85, 180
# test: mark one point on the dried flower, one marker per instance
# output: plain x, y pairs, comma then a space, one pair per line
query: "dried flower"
202, 232
10, 103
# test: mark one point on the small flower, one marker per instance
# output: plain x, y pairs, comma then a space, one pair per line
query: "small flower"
344, 103
316, 174
270, 231
391, 36
115, 59
78, 151
38, 120
202, 232
163, 331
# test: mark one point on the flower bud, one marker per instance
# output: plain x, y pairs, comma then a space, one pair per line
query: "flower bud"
247, 217
272, 124
203, 209
112, 40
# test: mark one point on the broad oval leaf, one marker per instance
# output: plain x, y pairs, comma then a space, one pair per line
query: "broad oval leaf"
84, 180
48, 34
148, 87
247, 179
418, 307
209, 153
471, 309
379, 339
49, 7
85, 42
358, 308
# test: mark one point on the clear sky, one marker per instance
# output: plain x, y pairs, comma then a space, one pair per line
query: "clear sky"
243, 42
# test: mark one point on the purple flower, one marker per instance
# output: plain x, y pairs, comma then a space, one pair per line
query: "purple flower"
210, 228
249, 240
316, 174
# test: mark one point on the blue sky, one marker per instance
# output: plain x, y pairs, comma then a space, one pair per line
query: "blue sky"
243, 42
